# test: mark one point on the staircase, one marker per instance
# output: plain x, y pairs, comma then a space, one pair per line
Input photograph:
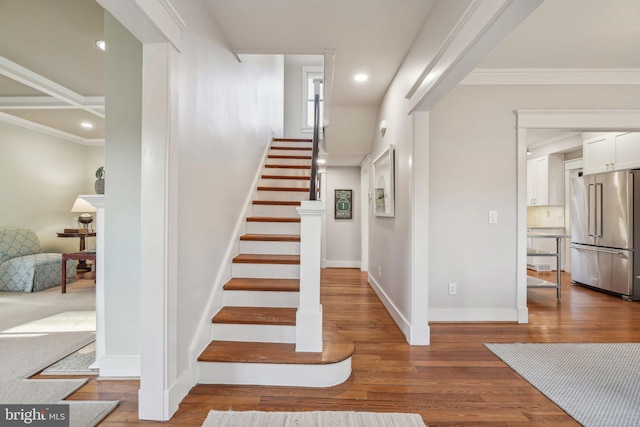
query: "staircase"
254, 334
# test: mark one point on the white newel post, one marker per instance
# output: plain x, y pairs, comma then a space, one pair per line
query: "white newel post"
309, 315
97, 201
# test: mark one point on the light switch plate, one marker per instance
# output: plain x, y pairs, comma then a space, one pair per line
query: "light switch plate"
493, 217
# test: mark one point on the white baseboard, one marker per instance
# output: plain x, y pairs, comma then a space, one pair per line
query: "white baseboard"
342, 264
120, 366
523, 314
396, 315
472, 315
179, 390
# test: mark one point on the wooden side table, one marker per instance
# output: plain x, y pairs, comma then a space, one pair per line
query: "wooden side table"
77, 256
81, 265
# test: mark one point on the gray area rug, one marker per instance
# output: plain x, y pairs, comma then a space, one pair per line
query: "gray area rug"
311, 419
36, 330
597, 384
77, 363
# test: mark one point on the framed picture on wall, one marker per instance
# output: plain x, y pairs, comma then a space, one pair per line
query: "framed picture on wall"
343, 204
384, 182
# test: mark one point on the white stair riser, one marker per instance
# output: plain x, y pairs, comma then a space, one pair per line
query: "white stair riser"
277, 152
269, 248
304, 144
273, 227
286, 171
261, 299
274, 210
266, 271
300, 162
282, 195
274, 374
296, 183
253, 333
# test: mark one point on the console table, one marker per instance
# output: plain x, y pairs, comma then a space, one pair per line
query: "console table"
534, 282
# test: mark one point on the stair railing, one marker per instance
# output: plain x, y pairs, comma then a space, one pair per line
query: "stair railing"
314, 189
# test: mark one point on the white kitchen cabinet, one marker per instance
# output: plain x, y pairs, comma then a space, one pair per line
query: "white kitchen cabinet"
545, 185
611, 152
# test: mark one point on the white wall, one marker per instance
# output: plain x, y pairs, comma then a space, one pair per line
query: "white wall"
343, 235
228, 112
40, 177
123, 95
472, 171
293, 102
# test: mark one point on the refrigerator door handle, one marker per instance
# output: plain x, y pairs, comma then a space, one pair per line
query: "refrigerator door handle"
606, 251
589, 207
599, 210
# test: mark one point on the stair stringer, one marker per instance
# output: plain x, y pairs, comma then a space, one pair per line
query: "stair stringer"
202, 337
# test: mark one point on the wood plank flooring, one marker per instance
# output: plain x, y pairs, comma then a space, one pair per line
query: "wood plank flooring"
454, 381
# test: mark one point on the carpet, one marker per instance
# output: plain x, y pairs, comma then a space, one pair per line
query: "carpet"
311, 419
36, 330
596, 384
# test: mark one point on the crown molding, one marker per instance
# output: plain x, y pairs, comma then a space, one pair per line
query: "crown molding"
553, 76
48, 103
8, 118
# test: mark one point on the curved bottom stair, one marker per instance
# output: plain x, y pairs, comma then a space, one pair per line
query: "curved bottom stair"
259, 363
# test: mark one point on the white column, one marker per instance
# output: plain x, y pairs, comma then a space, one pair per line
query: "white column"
97, 201
309, 315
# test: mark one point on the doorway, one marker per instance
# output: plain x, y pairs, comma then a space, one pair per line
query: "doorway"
569, 120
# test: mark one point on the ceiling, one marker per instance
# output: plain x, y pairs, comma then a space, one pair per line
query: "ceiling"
51, 73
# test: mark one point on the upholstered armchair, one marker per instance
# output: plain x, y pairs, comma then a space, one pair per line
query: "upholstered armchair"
23, 266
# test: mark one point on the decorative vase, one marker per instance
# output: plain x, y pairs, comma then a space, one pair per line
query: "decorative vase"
99, 186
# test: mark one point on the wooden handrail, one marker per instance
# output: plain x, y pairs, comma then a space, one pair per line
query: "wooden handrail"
313, 188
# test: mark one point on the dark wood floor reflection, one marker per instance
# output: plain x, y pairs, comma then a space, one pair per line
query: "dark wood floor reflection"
454, 381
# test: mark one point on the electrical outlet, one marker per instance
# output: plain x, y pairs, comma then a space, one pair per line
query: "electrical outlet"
453, 288
493, 217
379, 271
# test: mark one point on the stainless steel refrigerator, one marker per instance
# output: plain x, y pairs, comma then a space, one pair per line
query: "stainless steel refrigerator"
605, 211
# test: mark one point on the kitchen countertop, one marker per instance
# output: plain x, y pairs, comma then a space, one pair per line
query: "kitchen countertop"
550, 235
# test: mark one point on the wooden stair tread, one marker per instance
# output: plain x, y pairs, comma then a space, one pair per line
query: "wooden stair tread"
282, 156
256, 316
306, 178
290, 189
277, 202
292, 140
336, 348
271, 237
266, 259
273, 285
272, 219
269, 166
292, 148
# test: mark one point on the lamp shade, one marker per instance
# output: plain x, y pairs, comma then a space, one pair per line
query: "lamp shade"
81, 205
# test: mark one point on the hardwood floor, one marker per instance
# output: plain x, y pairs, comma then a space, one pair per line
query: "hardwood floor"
454, 381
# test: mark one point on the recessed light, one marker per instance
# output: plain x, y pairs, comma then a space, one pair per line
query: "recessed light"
361, 77
86, 125
101, 44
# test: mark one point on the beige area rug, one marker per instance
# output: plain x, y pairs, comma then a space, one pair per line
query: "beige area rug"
36, 330
311, 419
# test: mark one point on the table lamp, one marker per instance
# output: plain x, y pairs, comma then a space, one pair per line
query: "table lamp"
81, 205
